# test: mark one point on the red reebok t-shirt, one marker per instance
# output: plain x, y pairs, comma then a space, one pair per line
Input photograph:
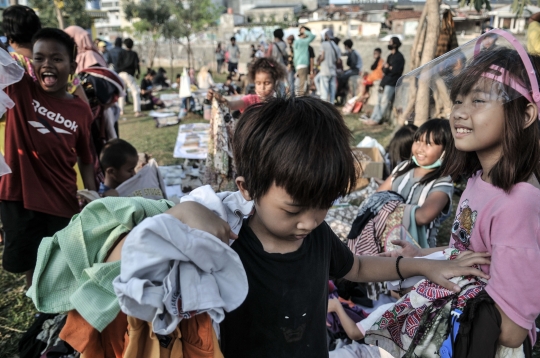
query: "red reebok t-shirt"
44, 137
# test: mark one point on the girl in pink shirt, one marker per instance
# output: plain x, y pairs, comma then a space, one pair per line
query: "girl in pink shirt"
496, 144
266, 73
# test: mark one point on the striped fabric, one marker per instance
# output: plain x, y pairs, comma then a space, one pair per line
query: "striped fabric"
369, 240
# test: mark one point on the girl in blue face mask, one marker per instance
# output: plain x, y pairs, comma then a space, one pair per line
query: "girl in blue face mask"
419, 180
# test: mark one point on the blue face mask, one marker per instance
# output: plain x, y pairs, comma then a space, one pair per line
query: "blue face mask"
437, 163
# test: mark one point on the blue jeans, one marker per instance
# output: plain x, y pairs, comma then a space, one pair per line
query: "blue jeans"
328, 86
291, 77
385, 99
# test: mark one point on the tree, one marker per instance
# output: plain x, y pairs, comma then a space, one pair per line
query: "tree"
193, 16
64, 13
171, 32
151, 16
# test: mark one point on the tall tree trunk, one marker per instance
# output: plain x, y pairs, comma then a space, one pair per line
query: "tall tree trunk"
153, 52
59, 16
189, 56
428, 53
418, 45
171, 60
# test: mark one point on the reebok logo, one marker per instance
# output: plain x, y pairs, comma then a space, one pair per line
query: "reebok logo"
54, 117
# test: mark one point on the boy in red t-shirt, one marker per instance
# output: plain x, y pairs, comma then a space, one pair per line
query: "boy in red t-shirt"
47, 133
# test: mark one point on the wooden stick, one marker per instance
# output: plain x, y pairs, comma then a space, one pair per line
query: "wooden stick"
12, 329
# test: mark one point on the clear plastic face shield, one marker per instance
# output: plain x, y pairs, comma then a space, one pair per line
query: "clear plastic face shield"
482, 74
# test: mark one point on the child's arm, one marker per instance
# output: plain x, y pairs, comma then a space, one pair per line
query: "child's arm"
432, 208
199, 217
352, 330
387, 185
378, 269
87, 175
233, 105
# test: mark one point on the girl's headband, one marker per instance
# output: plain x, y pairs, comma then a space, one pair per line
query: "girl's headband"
508, 80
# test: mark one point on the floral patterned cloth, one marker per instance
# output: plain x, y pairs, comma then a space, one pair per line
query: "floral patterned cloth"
418, 324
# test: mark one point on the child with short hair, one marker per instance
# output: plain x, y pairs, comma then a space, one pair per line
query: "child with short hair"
118, 161
293, 161
47, 133
266, 73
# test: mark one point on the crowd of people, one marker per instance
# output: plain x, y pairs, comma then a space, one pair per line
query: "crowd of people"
325, 75
258, 272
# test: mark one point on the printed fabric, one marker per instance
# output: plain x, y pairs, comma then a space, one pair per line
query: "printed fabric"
418, 323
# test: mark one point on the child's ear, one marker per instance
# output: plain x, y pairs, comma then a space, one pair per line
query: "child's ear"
531, 115
72, 67
111, 172
241, 184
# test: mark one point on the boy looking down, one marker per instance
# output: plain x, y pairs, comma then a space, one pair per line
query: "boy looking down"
118, 162
47, 133
293, 160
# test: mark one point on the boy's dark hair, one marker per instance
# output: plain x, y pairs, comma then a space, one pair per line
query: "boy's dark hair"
129, 43
278, 34
178, 75
118, 42
396, 42
116, 153
150, 72
348, 43
270, 66
20, 23
233, 38
378, 49
436, 130
229, 77
299, 143
307, 28
520, 146
49, 33
400, 147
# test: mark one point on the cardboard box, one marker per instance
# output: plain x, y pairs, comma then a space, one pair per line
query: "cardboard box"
370, 168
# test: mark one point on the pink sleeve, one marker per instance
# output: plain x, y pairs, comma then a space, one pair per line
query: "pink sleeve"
515, 278
250, 99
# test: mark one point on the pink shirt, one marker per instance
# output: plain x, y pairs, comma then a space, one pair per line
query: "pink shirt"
508, 227
249, 100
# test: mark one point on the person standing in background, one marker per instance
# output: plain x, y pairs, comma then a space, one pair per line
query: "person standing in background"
102, 47
328, 71
393, 69
220, 57
115, 54
301, 58
234, 56
128, 69
278, 49
354, 61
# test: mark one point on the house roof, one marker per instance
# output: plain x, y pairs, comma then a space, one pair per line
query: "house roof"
276, 6
506, 11
404, 14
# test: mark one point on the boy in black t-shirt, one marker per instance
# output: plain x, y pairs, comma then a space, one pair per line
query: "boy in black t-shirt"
293, 160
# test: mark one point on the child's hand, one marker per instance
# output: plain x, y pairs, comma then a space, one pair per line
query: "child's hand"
440, 272
333, 305
407, 250
199, 217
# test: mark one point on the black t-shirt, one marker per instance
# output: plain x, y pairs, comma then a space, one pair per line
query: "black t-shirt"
391, 76
284, 314
311, 55
128, 62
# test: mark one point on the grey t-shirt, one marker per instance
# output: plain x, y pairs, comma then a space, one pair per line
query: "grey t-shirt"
279, 52
415, 193
328, 65
234, 53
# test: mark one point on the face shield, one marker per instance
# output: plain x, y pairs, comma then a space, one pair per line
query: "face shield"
491, 70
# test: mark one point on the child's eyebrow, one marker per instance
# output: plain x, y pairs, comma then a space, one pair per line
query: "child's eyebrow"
294, 204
